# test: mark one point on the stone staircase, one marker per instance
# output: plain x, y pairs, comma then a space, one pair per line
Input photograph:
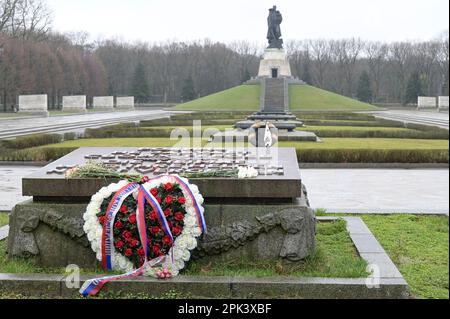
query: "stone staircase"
275, 95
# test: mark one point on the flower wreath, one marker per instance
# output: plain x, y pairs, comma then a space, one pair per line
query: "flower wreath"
146, 228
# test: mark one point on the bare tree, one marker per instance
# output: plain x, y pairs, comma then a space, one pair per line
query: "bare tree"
376, 53
27, 19
321, 53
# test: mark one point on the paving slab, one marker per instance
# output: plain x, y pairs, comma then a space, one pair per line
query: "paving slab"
379, 191
4, 231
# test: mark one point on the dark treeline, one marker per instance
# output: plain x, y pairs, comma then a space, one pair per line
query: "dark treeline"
341, 66
35, 60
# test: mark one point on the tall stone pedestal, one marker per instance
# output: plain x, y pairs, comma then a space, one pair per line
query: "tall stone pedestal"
275, 64
267, 217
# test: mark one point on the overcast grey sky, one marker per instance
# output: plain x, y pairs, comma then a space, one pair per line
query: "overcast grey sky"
228, 20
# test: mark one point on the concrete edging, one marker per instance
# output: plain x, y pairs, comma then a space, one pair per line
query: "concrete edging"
392, 283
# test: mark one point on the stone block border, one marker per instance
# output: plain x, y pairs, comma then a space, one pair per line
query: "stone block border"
391, 283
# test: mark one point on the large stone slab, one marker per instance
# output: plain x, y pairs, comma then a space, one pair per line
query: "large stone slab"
52, 233
443, 103
125, 103
74, 103
426, 102
282, 181
33, 104
103, 102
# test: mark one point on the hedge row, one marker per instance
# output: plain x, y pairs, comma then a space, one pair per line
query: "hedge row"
48, 154
376, 123
371, 156
334, 116
406, 134
28, 141
304, 155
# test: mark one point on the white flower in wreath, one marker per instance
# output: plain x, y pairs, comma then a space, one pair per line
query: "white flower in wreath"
247, 172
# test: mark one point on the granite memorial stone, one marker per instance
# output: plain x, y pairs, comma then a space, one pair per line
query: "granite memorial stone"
103, 103
33, 104
125, 103
267, 217
426, 102
74, 103
443, 103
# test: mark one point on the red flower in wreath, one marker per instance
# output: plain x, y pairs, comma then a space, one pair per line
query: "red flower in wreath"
129, 252
153, 216
124, 209
133, 243
167, 240
141, 252
156, 249
154, 191
127, 235
167, 212
118, 225
155, 230
119, 244
169, 200
177, 230
132, 219
159, 200
168, 187
102, 220
179, 217
181, 200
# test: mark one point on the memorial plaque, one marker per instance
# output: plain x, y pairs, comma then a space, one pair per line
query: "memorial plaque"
103, 102
424, 102
279, 171
33, 104
75, 103
443, 103
125, 103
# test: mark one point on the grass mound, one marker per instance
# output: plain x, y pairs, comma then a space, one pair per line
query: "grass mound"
244, 97
302, 97
305, 97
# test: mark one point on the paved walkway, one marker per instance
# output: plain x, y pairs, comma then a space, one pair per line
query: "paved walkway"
10, 128
11, 185
433, 118
378, 191
337, 190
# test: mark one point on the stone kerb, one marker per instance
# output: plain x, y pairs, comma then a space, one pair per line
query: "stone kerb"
426, 102
443, 103
33, 104
75, 103
125, 103
103, 102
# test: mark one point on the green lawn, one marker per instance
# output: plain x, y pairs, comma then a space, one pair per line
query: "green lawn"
117, 142
370, 143
3, 219
244, 97
419, 246
305, 97
354, 128
336, 256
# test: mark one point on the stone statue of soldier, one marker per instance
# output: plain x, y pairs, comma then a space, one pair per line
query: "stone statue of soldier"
274, 34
